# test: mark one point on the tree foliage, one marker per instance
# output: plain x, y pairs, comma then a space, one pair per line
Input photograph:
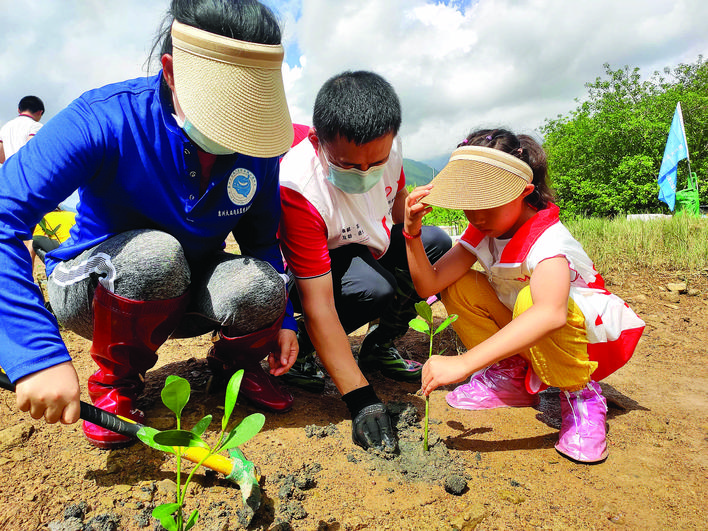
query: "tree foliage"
604, 157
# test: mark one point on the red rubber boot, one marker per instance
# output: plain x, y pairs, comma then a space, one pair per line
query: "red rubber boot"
126, 334
229, 354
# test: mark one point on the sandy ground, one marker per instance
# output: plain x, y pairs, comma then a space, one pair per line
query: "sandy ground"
313, 477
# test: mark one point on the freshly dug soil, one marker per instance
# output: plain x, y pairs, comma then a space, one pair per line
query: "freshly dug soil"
485, 470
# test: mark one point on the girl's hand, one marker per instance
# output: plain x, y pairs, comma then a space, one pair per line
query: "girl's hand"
52, 393
281, 363
443, 370
415, 209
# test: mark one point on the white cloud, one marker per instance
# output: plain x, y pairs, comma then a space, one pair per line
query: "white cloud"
493, 62
455, 65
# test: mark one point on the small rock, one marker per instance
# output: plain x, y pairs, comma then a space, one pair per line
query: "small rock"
638, 299
167, 486
455, 484
472, 516
670, 296
76, 510
511, 496
693, 292
15, 435
678, 287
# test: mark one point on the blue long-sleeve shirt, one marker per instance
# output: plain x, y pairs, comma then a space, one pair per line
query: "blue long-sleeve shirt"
134, 168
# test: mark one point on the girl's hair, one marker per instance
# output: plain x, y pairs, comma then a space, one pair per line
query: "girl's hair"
523, 147
245, 20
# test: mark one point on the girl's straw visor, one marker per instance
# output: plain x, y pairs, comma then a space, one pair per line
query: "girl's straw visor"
232, 91
479, 177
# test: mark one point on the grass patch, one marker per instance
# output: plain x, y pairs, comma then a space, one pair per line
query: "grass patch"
679, 243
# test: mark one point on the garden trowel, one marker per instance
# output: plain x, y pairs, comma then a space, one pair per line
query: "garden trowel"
237, 469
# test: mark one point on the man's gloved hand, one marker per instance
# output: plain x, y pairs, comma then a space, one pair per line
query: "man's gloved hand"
371, 425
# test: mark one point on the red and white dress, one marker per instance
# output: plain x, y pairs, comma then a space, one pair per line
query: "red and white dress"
613, 329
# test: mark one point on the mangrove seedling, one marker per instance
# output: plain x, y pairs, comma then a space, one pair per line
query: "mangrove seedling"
175, 396
427, 327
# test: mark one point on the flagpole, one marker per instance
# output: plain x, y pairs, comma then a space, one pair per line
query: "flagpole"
685, 143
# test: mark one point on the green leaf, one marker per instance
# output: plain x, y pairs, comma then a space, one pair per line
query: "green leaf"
447, 322
147, 435
231, 396
419, 326
424, 310
175, 394
201, 426
192, 520
181, 438
166, 509
248, 428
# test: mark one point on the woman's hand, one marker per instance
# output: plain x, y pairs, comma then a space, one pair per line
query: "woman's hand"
443, 370
280, 364
415, 209
52, 393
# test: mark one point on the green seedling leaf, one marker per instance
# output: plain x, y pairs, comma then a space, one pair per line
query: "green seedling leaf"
181, 438
447, 322
192, 520
419, 326
248, 428
423, 309
175, 394
201, 426
147, 436
231, 396
164, 513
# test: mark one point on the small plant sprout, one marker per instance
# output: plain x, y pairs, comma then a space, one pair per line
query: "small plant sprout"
427, 327
175, 396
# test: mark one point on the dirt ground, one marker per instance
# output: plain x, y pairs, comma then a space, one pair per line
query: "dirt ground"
313, 477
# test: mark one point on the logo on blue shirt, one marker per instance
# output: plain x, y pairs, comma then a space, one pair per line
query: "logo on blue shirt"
242, 186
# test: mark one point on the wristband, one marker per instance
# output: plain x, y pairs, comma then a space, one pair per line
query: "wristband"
410, 236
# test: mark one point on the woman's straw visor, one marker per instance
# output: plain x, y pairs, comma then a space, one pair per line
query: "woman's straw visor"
232, 91
479, 177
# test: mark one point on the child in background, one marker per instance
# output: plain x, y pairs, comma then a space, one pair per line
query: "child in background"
539, 315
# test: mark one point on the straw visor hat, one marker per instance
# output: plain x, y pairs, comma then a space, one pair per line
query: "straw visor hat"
232, 91
479, 177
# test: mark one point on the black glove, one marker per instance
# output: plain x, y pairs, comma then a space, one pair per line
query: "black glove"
371, 425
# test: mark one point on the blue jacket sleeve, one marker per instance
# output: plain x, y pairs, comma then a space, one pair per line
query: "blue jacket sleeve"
41, 174
257, 231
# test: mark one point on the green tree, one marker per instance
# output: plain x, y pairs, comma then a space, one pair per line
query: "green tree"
604, 157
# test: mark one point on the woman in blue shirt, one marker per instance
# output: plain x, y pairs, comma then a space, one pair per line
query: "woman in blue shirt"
166, 167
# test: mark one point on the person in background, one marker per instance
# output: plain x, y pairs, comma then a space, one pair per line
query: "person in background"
343, 194
539, 314
17, 132
166, 167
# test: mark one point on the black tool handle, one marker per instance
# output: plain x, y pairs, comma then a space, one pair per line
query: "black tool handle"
92, 414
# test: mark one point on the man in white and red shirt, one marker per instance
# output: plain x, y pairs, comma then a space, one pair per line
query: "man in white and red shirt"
343, 198
15, 133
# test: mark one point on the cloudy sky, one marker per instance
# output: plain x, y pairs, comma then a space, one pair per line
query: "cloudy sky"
457, 65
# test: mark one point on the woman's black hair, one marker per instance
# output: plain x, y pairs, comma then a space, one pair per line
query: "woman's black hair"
245, 20
523, 147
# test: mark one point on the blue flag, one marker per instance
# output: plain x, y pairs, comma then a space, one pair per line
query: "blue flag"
674, 151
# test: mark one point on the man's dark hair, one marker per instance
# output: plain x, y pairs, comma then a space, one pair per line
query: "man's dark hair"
31, 104
245, 20
359, 106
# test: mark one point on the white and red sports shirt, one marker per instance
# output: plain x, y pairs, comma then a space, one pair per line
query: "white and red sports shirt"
613, 329
317, 216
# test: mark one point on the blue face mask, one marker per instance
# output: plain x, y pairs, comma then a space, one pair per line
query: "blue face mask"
196, 136
352, 180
